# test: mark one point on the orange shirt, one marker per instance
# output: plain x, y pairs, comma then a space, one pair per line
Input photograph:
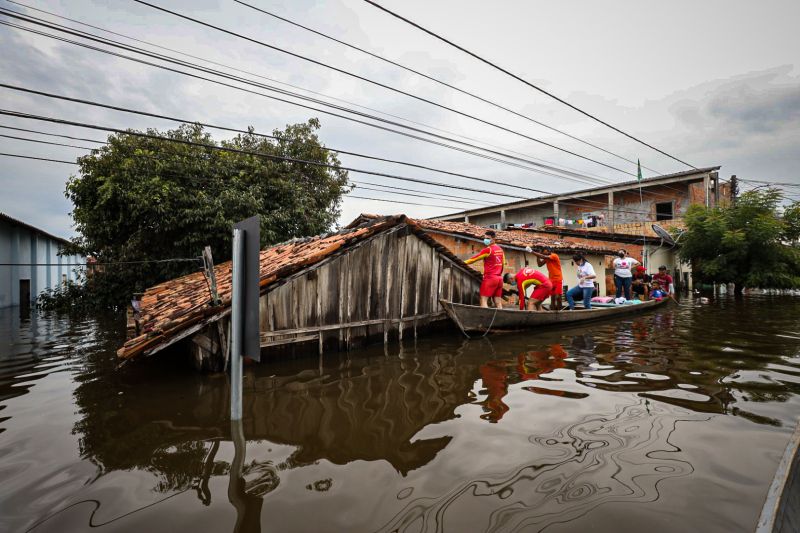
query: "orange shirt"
553, 263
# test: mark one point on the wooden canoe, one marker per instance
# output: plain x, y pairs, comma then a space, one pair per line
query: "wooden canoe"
781, 511
471, 318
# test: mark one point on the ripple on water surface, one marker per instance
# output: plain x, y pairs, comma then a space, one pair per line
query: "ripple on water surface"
675, 418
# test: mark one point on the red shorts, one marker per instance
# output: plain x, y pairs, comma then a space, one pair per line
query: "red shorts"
492, 286
542, 292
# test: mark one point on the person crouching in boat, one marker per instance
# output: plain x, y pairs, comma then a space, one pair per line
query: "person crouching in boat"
531, 285
585, 286
494, 259
553, 262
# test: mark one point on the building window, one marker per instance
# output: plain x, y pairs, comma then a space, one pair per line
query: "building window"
664, 211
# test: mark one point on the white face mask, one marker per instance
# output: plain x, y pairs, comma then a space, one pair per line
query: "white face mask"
487, 242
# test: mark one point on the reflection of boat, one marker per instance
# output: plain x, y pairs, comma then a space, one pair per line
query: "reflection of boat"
482, 319
781, 512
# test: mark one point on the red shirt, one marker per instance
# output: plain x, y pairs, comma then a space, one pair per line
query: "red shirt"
529, 276
664, 279
494, 259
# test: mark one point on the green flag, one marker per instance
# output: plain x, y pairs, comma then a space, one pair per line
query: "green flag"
639, 170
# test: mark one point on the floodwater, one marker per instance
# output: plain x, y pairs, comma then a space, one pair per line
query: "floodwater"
669, 422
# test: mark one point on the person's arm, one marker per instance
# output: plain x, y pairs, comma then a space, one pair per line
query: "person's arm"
483, 254
670, 285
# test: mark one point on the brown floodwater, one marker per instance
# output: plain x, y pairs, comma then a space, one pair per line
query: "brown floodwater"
673, 421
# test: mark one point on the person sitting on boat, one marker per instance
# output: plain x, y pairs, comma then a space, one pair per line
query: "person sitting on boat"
641, 283
622, 273
585, 286
531, 284
553, 262
494, 259
664, 279
658, 293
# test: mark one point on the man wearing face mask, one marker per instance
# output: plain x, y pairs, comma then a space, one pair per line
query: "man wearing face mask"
622, 273
493, 262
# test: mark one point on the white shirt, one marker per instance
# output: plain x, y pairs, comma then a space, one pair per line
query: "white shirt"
622, 267
586, 269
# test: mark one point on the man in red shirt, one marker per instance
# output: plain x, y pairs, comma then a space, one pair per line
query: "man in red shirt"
527, 278
493, 262
664, 279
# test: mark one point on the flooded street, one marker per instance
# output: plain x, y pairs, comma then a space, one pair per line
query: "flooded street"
668, 422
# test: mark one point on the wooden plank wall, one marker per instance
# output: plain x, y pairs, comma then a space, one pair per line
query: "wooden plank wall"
385, 288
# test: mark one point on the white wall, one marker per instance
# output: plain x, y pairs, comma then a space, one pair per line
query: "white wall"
20, 245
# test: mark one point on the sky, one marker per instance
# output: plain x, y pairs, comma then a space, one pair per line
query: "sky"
712, 83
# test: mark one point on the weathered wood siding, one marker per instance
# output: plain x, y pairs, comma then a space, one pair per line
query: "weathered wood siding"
385, 288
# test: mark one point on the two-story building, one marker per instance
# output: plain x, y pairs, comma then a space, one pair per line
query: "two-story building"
620, 215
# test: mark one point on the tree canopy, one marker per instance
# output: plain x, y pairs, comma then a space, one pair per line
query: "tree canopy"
140, 199
751, 243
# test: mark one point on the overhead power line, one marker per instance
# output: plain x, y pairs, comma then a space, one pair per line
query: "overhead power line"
230, 67
520, 79
378, 84
435, 80
44, 142
246, 152
248, 132
496, 156
348, 195
582, 201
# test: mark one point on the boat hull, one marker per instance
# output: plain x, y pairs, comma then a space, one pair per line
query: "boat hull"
471, 318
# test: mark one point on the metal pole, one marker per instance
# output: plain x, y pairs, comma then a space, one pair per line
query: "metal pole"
236, 325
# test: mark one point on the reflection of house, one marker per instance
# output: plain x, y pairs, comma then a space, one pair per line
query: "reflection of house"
33, 262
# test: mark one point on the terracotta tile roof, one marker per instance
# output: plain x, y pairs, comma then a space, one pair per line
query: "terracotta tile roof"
172, 307
514, 237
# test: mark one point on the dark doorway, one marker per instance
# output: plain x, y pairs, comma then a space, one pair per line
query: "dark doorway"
24, 296
664, 211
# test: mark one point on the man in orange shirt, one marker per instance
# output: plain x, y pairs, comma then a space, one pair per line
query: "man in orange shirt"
494, 259
553, 262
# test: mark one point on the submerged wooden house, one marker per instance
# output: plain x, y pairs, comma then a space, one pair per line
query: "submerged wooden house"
379, 279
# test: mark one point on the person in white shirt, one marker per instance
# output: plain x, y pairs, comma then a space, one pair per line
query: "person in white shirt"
585, 286
622, 273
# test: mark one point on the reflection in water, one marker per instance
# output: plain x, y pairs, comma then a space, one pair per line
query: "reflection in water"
498, 374
614, 457
578, 418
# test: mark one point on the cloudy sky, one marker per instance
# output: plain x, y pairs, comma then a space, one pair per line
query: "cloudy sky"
712, 82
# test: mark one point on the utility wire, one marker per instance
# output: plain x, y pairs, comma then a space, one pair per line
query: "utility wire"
518, 78
248, 132
51, 134
580, 201
457, 199
206, 60
467, 150
44, 142
405, 194
377, 83
433, 79
246, 152
397, 201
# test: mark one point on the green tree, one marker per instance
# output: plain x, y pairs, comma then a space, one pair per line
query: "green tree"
145, 199
750, 244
